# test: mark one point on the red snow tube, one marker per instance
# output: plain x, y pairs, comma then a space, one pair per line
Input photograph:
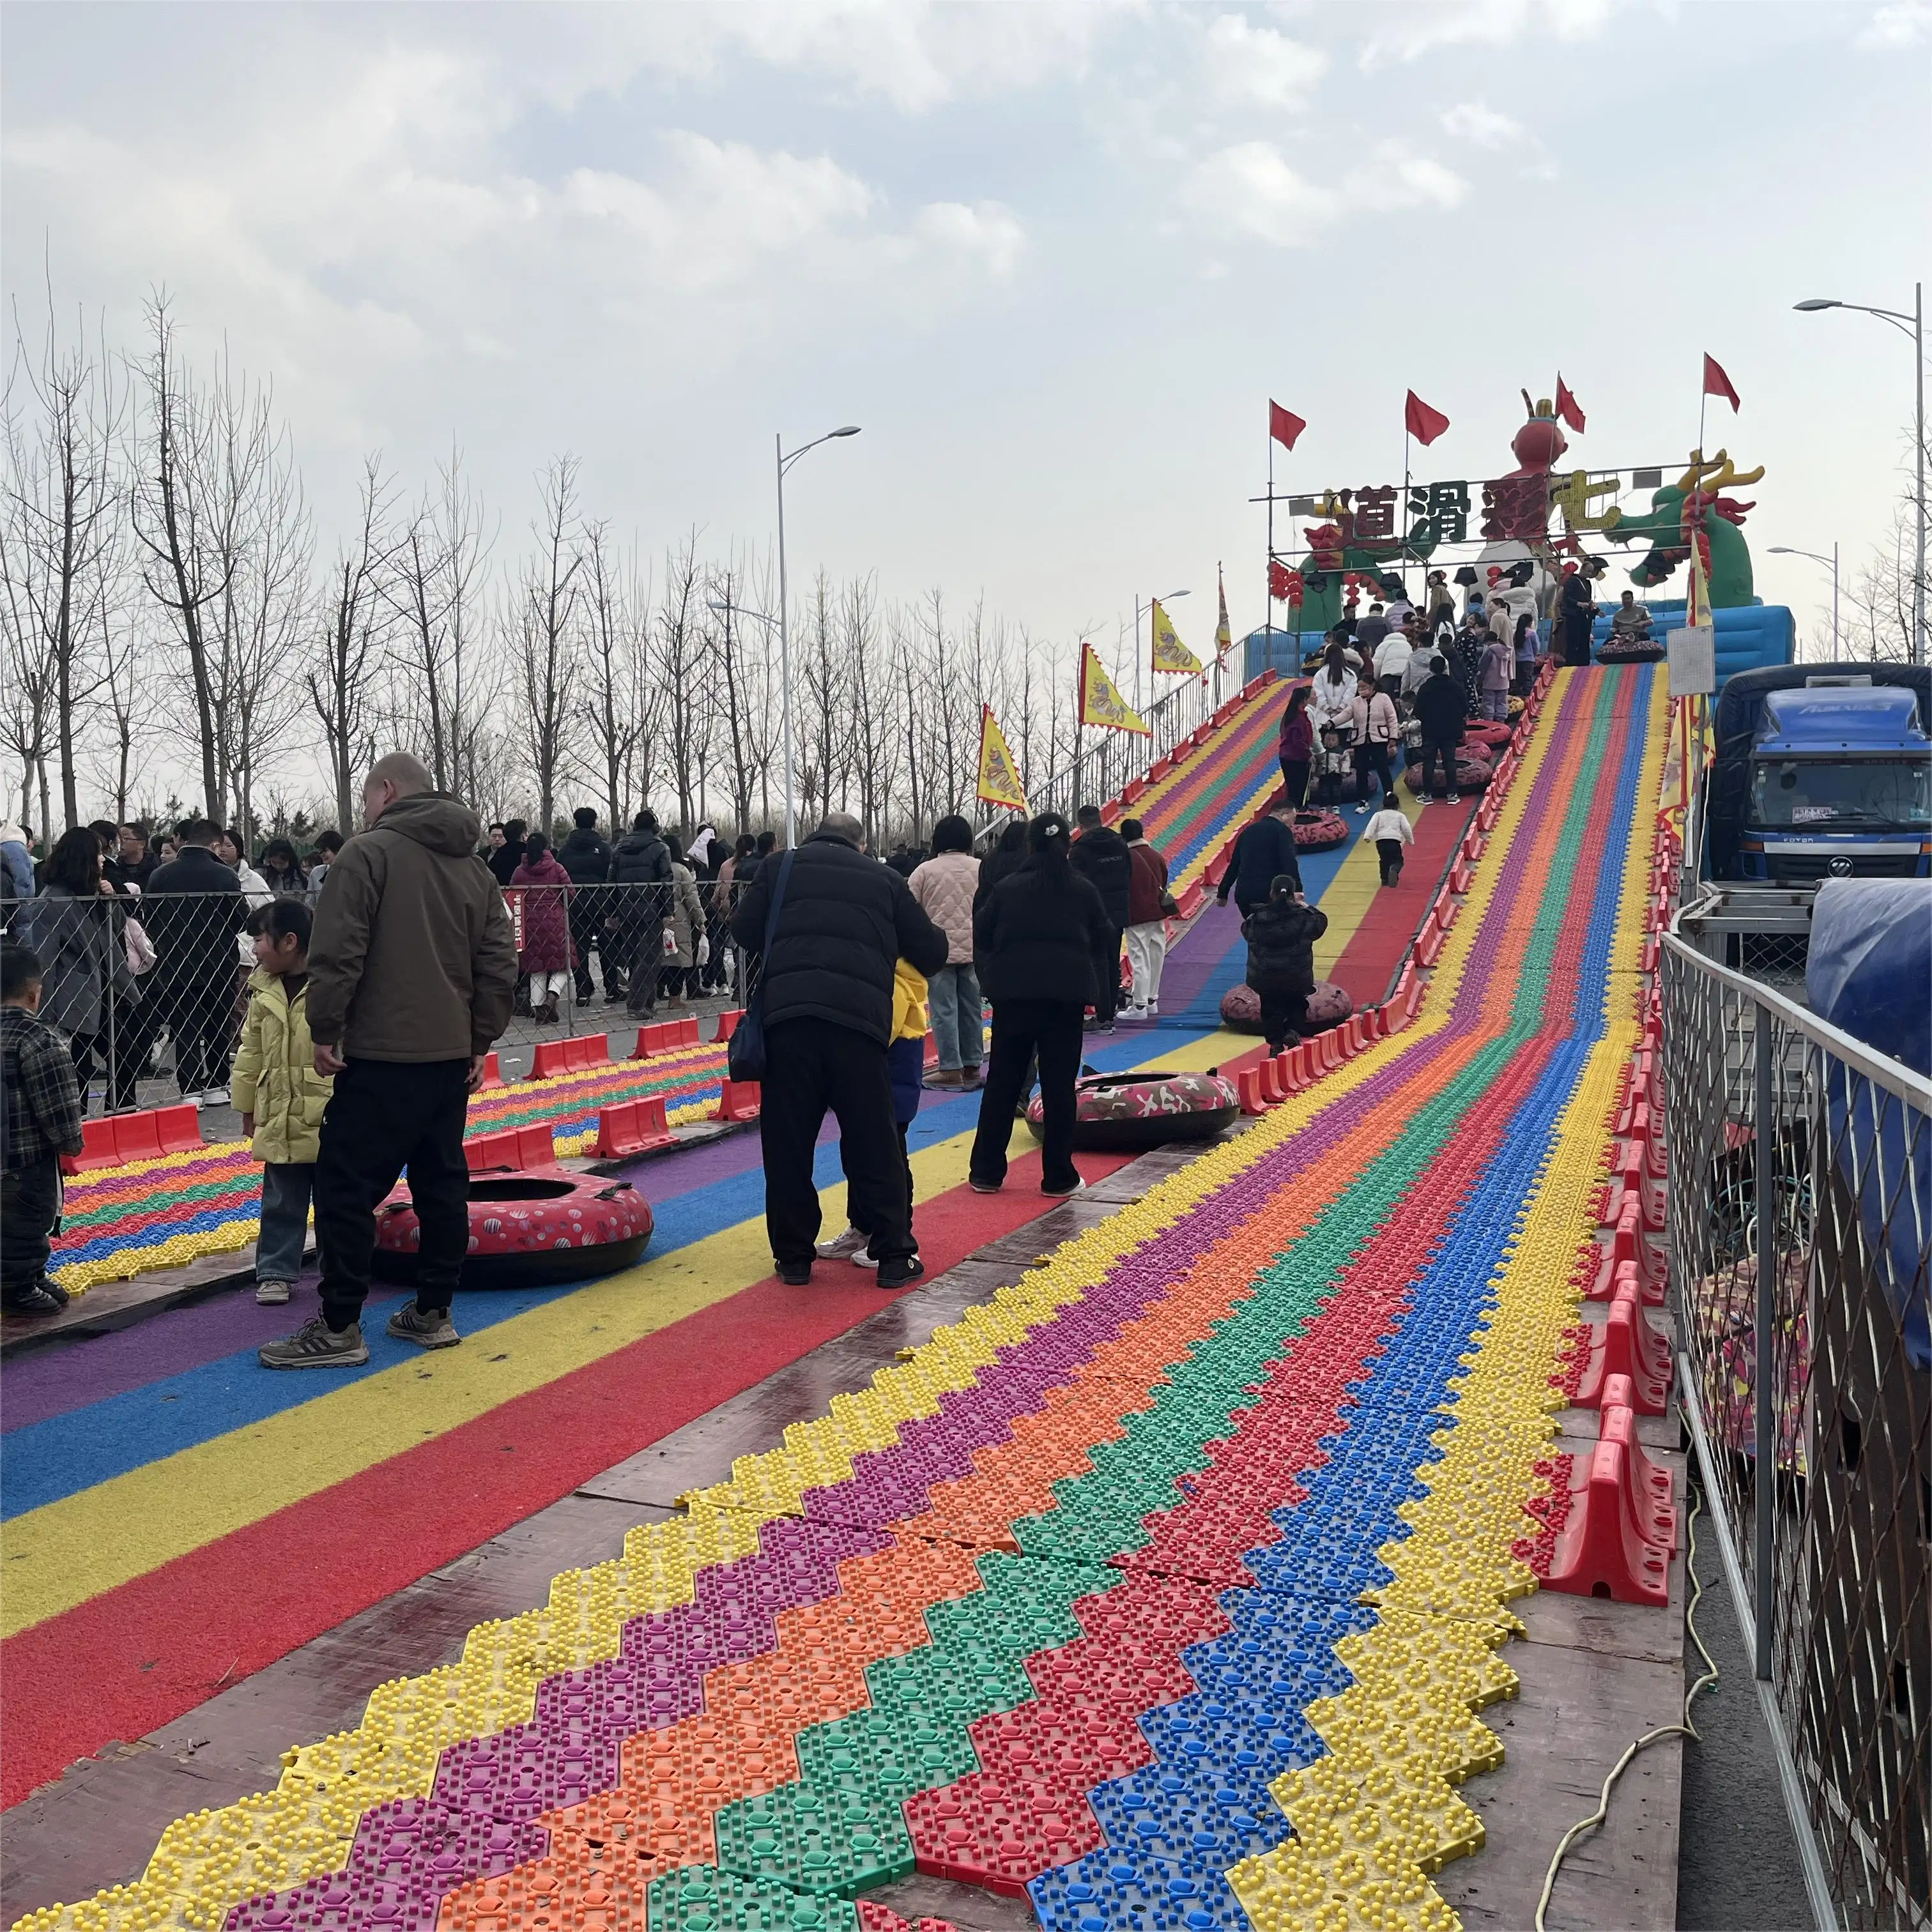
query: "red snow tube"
1474, 770
1316, 830
1328, 1006
1487, 731
531, 1229
1125, 1112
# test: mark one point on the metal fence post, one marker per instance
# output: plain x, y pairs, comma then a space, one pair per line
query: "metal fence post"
1765, 1419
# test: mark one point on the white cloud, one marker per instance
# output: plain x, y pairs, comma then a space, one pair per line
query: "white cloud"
1244, 62
1407, 31
1477, 121
1250, 190
1890, 28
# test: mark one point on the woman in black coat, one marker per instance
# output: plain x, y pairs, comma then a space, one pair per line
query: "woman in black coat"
1041, 940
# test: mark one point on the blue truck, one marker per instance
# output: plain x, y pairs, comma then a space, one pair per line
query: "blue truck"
1821, 771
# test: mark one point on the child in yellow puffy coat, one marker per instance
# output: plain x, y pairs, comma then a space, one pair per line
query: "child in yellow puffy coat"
277, 1092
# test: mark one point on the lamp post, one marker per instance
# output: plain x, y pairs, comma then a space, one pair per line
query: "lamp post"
1171, 596
1779, 550
785, 463
1913, 325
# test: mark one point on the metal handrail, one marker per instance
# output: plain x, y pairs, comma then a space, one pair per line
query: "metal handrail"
1896, 1079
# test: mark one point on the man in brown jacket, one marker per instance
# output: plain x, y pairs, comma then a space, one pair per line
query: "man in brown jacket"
412, 970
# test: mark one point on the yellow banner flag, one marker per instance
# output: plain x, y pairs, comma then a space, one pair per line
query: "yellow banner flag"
1169, 652
999, 776
1224, 637
1100, 701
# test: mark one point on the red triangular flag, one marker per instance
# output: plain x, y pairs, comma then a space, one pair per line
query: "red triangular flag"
1716, 383
1284, 425
1568, 406
1425, 424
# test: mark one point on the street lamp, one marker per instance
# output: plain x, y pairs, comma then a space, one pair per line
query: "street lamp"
1779, 549
1913, 325
1171, 596
785, 463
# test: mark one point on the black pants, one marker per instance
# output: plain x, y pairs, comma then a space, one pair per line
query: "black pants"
199, 1011
1109, 1003
646, 956
586, 931
1389, 851
1282, 1014
30, 1198
1022, 1028
1372, 758
385, 1115
857, 1214
1433, 749
811, 1066
1295, 776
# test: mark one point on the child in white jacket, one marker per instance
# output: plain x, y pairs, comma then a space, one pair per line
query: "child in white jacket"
1391, 832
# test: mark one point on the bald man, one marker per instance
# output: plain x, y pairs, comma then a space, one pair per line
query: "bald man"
412, 970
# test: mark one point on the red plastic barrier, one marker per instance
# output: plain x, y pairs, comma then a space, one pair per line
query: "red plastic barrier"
516, 1148
1650, 1497
727, 1022
1429, 942
121, 1137
493, 1072
570, 1056
1191, 897
1459, 877
739, 1100
1133, 788
1254, 1100
1288, 1074
1601, 1550
1627, 1345
1272, 1090
632, 1126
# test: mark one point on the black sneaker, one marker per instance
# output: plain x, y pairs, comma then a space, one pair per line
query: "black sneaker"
984, 1186
795, 1274
42, 1299
901, 1274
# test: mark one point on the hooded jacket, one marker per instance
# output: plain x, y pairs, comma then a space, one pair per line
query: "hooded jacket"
413, 958
17, 863
547, 946
1281, 938
585, 856
1100, 857
274, 1077
1042, 934
642, 859
845, 922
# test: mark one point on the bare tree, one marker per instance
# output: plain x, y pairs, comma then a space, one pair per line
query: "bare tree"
679, 673
435, 588
623, 705
350, 626
60, 536
543, 638
1879, 599
219, 514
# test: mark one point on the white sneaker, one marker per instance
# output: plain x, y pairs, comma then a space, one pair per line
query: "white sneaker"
192, 1096
847, 1247
1153, 1009
215, 1096
1362, 810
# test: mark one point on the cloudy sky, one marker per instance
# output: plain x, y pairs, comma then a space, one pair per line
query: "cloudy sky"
1054, 259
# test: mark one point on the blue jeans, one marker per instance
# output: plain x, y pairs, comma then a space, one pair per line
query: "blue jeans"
285, 1197
959, 1018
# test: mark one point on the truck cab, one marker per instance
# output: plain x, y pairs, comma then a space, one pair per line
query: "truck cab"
1839, 786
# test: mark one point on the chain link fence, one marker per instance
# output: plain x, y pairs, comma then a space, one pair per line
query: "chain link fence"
151, 990
1800, 1228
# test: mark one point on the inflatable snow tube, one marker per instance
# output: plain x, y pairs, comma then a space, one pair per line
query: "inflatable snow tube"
1118, 1113
1487, 731
1328, 1006
1640, 650
531, 1229
1473, 770
1316, 829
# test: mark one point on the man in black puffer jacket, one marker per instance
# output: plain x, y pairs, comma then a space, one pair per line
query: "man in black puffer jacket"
1043, 939
1100, 856
844, 923
640, 867
1264, 851
587, 858
1441, 709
